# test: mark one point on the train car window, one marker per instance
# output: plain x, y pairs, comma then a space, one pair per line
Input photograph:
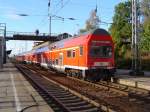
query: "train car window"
53, 62
50, 62
44, 60
73, 53
81, 50
56, 61
101, 51
69, 53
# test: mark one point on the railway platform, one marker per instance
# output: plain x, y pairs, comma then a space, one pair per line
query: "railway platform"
16, 93
124, 78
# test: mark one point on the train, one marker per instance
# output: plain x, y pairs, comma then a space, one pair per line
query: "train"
89, 56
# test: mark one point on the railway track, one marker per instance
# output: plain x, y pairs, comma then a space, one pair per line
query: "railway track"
58, 98
110, 95
128, 89
137, 95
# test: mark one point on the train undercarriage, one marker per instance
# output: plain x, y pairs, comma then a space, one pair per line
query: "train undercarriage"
91, 74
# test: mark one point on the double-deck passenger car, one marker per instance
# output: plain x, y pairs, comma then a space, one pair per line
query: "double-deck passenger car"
90, 56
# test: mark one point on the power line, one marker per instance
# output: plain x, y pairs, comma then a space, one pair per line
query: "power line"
58, 2
62, 6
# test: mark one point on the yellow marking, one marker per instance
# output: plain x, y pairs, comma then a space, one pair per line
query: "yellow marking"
71, 48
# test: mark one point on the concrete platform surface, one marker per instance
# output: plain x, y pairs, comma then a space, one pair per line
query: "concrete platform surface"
126, 72
135, 81
16, 93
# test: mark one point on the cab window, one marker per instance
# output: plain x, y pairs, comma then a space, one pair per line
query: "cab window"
101, 51
69, 53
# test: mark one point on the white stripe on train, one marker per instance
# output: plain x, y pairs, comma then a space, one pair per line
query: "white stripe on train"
62, 68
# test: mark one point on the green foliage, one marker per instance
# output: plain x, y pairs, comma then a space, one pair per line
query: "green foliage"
145, 8
121, 27
82, 30
145, 37
92, 23
145, 40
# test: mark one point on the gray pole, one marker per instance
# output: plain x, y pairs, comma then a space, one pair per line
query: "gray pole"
132, 44
2, 45
49, 4
50, 25
5, 57
136, 69
1, 52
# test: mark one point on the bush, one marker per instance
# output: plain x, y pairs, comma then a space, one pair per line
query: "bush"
127, 63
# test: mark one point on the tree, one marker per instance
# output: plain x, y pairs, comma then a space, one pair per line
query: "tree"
92, 23
145, 40
121, 27
145, 8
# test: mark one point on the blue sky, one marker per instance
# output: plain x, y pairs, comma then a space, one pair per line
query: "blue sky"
38, 11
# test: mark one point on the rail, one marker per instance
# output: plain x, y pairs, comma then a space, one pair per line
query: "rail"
111, 96
66, 101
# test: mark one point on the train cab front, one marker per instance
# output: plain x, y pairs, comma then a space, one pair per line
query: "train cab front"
100, 56
101, 62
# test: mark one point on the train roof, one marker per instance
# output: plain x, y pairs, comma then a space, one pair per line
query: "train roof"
100, 34
71, 41
98, 31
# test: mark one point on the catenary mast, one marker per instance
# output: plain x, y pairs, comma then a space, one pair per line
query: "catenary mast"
136, 65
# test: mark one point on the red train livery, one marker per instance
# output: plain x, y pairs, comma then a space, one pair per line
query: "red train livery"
90, 56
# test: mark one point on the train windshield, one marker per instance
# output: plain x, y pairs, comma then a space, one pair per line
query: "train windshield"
101, 51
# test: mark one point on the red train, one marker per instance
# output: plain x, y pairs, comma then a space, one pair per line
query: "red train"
90, 56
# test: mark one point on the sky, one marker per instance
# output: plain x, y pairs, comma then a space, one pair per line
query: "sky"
37, 11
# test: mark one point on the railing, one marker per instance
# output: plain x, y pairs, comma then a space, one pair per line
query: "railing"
11, 33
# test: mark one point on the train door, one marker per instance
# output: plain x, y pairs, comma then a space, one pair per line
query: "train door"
61, 60
39, 58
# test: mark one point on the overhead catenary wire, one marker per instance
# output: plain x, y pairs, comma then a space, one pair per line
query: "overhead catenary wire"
63, 4
57, 11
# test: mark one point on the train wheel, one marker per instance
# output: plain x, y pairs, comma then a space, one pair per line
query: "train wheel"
80, 74
88, 78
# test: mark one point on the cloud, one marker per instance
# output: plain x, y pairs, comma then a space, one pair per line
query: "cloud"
13, 16
7, 8
9, 12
